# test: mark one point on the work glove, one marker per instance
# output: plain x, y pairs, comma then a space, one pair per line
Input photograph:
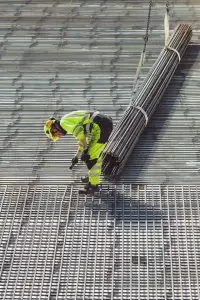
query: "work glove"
74, 162
85, 156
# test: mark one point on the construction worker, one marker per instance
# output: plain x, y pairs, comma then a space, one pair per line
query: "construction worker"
91, 130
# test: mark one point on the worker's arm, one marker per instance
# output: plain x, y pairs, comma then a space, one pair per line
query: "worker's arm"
82, 146
81, 138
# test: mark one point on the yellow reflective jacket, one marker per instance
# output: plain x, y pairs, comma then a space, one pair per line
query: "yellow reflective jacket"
75, 123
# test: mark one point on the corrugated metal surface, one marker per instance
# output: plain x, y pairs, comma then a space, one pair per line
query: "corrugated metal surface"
133, 242
57, 56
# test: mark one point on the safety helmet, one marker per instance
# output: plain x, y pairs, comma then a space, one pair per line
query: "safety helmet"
47, 129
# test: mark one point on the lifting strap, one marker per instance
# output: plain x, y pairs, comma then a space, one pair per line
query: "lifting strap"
144, 113
166, 27
166, 23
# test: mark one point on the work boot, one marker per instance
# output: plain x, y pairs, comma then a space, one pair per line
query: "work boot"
85, 179
89, 189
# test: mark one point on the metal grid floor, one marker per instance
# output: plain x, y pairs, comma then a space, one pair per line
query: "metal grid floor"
130, 242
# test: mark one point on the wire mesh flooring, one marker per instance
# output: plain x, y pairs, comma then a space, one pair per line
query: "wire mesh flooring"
129, 242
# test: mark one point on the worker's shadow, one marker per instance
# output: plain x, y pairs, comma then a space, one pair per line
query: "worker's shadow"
119, 207
142, 154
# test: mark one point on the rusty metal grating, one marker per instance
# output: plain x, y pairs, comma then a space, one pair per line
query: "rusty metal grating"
131, 242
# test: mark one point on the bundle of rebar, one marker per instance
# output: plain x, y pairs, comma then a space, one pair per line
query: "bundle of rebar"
129, 128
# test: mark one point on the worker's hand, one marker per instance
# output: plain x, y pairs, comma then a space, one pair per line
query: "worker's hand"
85, 156
74, 162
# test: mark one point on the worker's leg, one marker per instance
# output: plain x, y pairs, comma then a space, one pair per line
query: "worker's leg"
94, 166
95, 163
95, 172
101, 131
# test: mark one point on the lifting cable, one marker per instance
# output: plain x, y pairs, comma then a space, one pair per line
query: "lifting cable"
143, 54
141, 62
142, 57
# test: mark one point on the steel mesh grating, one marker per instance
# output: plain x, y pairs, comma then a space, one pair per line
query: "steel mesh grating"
131, 242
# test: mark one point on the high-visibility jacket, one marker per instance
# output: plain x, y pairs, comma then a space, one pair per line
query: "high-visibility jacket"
96, 128
93, 126
77, 123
